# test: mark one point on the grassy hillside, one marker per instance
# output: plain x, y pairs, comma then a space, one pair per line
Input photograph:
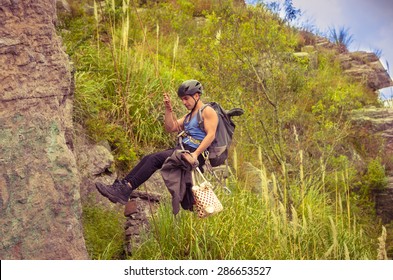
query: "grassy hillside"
295, 131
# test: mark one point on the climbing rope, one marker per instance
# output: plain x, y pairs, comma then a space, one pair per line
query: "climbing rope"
155, 63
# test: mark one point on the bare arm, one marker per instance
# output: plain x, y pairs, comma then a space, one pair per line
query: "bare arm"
210, 121
171, 124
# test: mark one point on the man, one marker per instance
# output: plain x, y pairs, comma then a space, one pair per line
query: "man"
195, 140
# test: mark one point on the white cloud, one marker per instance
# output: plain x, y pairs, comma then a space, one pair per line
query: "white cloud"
324, 13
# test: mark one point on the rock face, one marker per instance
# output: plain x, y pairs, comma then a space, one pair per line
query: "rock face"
376, 124
94, 161
365, 67
361, 66
95, 164
384, 203
40, 207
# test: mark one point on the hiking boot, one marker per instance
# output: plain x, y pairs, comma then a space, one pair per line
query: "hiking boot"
119, 191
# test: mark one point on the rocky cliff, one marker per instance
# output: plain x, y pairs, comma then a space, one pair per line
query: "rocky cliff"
365, 67
374, 133
360, 66
40, 205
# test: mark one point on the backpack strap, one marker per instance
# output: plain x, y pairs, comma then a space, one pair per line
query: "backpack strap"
199, 117
187, 117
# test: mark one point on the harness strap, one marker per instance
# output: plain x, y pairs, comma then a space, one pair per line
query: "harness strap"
205, 153
189, 138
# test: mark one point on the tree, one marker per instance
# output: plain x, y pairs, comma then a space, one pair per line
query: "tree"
287, 10
291, 13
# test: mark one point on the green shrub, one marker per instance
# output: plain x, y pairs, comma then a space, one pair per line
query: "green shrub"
375, 178
103, 232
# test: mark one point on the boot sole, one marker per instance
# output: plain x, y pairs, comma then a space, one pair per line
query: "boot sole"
103, 191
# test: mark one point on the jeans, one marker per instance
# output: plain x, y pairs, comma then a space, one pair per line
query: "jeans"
151, 163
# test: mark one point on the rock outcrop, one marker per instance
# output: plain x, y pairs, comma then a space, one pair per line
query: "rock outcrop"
377, 123
40, 209
140, 209
361, 66
384, 203
139, 212
374, 131
96, 164
367, 68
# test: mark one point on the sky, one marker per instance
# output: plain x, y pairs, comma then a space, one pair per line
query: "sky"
370, 22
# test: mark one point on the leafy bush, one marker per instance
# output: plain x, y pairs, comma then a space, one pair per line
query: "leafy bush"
375, 178
103, 232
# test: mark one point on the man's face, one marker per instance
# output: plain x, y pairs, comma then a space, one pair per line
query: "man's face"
189, 101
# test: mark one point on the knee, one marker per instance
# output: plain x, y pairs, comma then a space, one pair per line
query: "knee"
157, 161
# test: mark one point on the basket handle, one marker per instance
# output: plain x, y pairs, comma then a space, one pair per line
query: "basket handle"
193, 177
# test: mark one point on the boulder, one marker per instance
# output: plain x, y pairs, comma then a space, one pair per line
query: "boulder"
95, 165
63, 6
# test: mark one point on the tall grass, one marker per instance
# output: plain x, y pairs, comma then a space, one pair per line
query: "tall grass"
103, 232
120, 79
340, 36
257, 226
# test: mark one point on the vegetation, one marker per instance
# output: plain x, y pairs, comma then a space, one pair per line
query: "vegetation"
295, 129
341, 37
256, 225
375, 178
103, 232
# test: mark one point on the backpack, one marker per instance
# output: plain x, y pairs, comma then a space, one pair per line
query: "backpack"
218, 149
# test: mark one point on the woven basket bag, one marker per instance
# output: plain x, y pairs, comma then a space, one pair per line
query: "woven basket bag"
206, 201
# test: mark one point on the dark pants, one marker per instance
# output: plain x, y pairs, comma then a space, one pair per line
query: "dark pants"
151, 163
